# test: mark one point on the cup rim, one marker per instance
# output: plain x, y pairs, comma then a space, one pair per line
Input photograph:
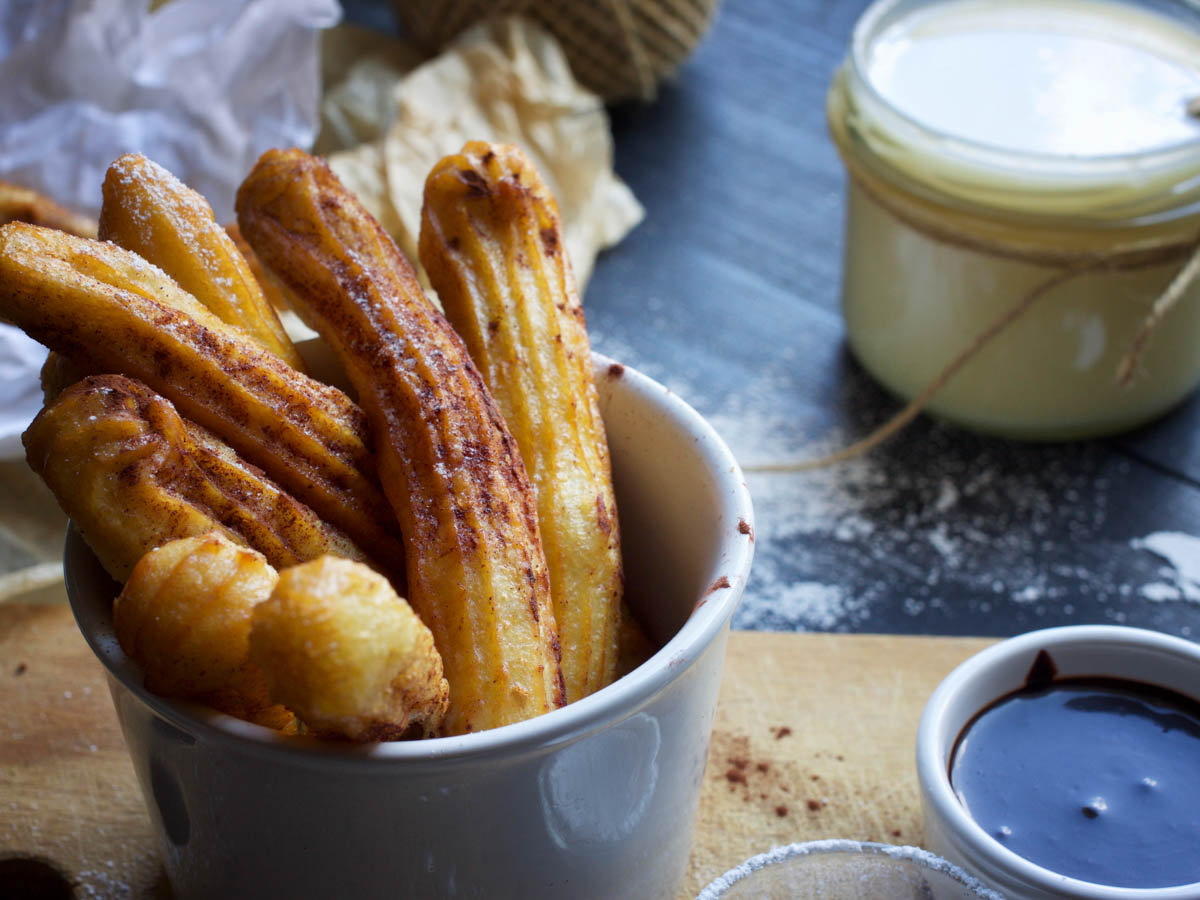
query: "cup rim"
932, 763
611, 704
917, 855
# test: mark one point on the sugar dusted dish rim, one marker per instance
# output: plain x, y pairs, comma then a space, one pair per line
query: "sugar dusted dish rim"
918, 856
614, 703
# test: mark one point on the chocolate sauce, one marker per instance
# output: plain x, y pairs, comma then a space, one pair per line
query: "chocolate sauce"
1094, 778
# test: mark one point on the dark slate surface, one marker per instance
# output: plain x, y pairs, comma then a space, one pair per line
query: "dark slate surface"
729, 293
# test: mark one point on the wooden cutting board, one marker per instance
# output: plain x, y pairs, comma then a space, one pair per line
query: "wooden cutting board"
813, 739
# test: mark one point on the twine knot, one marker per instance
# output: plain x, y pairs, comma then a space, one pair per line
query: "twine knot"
1188, 275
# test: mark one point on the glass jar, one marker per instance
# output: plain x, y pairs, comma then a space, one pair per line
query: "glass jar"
1038, 161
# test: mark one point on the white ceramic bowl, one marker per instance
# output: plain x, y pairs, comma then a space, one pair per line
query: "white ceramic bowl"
1082, 650
597, 799
846, 870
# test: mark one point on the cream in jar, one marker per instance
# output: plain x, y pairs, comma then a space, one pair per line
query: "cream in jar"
1015, 154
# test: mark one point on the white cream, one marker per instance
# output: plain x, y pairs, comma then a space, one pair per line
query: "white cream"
1071, 78
990, 144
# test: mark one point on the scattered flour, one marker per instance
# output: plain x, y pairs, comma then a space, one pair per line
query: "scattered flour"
1030, 594
839, 544
102, 885
1160, 592
934, 524
1182, 577
816, 606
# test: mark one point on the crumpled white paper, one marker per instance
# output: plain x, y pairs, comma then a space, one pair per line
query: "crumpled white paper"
20, 361
200, 86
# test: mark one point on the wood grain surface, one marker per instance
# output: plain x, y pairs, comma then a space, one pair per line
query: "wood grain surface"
813, 739
68, 796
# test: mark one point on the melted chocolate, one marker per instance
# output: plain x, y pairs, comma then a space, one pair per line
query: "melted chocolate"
1094, 778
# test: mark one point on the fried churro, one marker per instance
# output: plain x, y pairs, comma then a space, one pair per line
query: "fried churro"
476, 570
347, 655
148, 210
21, 204
106, 306
185, 615
131, 474
492, 244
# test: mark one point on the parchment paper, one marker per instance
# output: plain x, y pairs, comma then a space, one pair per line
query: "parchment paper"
504, 81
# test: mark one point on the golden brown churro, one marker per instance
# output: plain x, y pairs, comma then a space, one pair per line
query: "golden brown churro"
131, 474
476, 571
20, 204
184, 616
347, 655
98, 303
492, 244
59, 373
148, 210
277, 293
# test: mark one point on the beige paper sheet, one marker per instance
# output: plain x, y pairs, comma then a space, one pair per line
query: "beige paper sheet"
502, 81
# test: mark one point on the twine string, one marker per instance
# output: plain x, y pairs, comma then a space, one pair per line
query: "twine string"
919, 402
1188, 275
1185, 278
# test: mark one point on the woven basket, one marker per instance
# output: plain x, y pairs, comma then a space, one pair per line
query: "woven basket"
621, 49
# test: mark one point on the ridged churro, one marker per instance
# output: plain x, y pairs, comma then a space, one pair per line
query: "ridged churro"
148, 210
106, 306
185, 615
476, 571
492, 244
21, 204
59, 373
132, 475
277, 293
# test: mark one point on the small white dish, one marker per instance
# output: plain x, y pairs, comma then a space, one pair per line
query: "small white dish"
847, 870
1093, 651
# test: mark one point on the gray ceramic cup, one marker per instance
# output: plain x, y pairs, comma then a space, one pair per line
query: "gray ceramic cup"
597, 799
